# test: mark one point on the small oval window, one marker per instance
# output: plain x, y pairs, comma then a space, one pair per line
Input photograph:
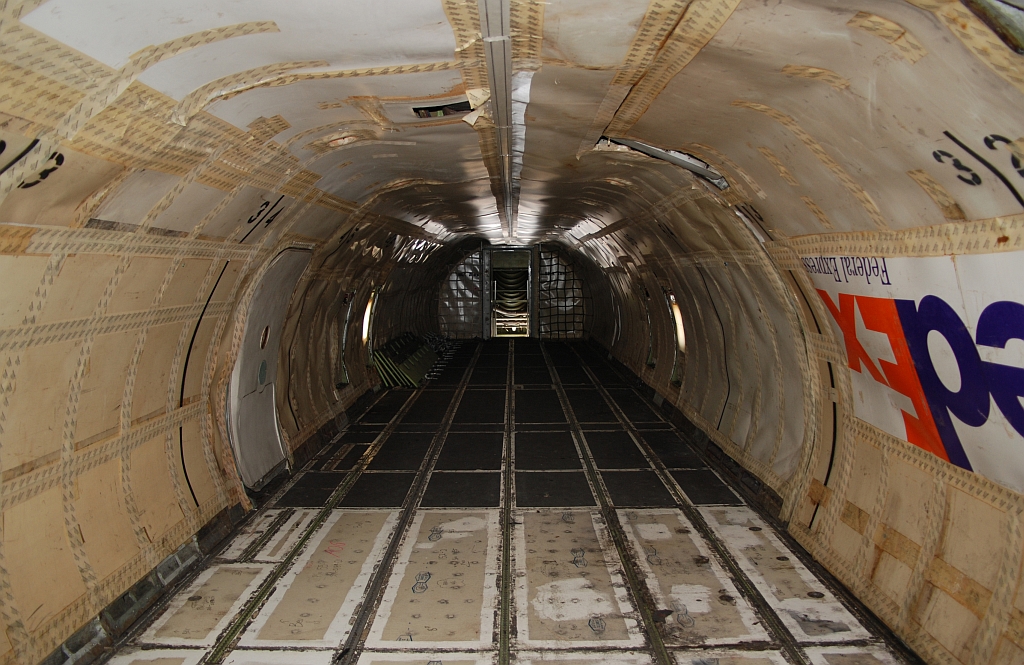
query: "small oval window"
261, 374
264, 336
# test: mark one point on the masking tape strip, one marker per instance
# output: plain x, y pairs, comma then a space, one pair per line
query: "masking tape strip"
658, 22
817, 74
942, 198
22, 488
783, 172
386, 70
51, 240
984, 236
526, 18
904, 42
818, 151
708, 150
198, 99
817, 212
22, 337
701, 22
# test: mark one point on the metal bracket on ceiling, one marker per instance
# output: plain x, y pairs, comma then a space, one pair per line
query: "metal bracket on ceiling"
687, 161
495, 29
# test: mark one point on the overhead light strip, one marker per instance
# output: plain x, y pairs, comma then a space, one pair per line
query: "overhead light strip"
495, 25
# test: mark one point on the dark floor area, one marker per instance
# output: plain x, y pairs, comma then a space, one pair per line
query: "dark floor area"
564, 407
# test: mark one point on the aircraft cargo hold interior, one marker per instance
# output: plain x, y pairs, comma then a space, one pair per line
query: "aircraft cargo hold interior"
648, 332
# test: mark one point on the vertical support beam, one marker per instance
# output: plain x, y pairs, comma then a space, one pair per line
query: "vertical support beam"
485, 293
535, 292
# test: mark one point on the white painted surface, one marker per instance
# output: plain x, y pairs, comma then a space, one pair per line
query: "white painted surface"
255, 431
345, 34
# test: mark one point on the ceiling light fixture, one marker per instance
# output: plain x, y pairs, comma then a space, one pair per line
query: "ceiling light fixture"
494, 26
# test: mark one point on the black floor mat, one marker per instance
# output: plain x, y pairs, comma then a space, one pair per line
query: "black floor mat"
538, 489
575, 375
495, 346
605, 375
325, 457
546, 450
561, 355
386, 407
538, 406
489, 376
481, 406
590, 407
704, 488
528, 345
494, 360
403, 451
429, 407
615, 450
636, 489
672, 450
350, 459
533, 375
379, 490
462, 490
633, 407
469, 452
311, 490
529, 362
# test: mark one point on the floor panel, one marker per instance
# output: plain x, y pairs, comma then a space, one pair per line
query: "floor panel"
685, 577
564, 488
636, 489
247, 657
401, 561
800, 600
546, 451
615, 450
462, 489
442, 590
315, 599
568, 590
198, 613
379, 490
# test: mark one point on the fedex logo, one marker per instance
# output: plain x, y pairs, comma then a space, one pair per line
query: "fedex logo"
907, 325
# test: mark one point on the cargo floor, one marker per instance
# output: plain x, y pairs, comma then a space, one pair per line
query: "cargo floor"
552, 516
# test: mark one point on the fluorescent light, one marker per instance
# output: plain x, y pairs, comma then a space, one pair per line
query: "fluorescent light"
680, 330
366, 317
